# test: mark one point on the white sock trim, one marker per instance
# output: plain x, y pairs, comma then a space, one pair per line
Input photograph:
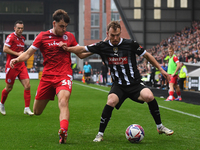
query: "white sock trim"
159, 125
100, 133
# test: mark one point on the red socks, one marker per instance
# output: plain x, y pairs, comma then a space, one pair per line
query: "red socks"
171, 93
27, 98
178, 93
4, 95
64, 124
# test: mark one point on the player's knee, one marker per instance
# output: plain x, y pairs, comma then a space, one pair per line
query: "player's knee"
149, 98
63, 103
36, 112
8, 89
112, 102
27, 87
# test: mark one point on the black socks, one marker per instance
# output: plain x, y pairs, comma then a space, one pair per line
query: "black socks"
154, 110
105, 117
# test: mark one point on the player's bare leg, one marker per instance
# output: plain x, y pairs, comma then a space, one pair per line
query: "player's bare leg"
63, 101
39, 106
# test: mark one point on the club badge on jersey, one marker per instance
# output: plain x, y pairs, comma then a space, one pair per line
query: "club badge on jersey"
65, 37
115, 49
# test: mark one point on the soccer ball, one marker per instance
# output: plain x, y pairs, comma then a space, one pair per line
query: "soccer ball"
134, 133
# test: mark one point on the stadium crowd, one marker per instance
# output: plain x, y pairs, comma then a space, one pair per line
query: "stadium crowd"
186, 45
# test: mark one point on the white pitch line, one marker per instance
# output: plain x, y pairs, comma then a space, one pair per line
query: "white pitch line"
92, 87
181, 112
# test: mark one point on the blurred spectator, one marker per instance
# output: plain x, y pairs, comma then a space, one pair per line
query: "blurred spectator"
104, 72
182, 75
87, 71
163, 80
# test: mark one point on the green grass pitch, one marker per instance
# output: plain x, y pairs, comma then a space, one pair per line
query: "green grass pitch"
21, 132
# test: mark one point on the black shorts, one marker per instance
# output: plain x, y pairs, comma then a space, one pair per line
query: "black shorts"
129, 91
87, 74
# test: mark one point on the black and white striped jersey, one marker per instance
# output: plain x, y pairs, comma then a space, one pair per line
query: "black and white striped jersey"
121, 59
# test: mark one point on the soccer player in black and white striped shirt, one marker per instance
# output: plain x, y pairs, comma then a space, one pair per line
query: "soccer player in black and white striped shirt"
119, 55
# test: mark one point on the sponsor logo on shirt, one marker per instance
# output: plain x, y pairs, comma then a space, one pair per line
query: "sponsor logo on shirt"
118, 60
20, 45
139, 48
53, 44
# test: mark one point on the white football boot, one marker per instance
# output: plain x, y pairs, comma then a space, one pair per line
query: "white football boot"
165, 130
27, 111
2, 109
98, 138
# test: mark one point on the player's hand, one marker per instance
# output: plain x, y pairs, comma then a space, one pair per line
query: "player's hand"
166, 75
173, 74
63, 45
13, 62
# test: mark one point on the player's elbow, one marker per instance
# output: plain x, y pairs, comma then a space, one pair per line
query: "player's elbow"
5, 50
82, 56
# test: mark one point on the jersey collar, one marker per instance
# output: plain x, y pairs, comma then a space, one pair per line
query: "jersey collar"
51, 31
17, 35
121, 39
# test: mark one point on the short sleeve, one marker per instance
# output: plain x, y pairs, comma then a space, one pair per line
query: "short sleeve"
138, 49
175, 59
37, 41
95, 48
8, 41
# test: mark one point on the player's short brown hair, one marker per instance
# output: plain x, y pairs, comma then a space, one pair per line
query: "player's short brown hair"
18, 22
114, 25
61, 14
170, 48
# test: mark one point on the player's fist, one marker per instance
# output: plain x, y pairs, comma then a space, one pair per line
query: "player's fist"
13, 62
63, 45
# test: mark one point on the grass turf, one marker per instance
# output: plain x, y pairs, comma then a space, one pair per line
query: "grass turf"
19, 131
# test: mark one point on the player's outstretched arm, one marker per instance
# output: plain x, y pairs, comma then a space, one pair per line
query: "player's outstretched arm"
83, 55
23, 57
73, 49
76, 49
80, 51
153, 61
